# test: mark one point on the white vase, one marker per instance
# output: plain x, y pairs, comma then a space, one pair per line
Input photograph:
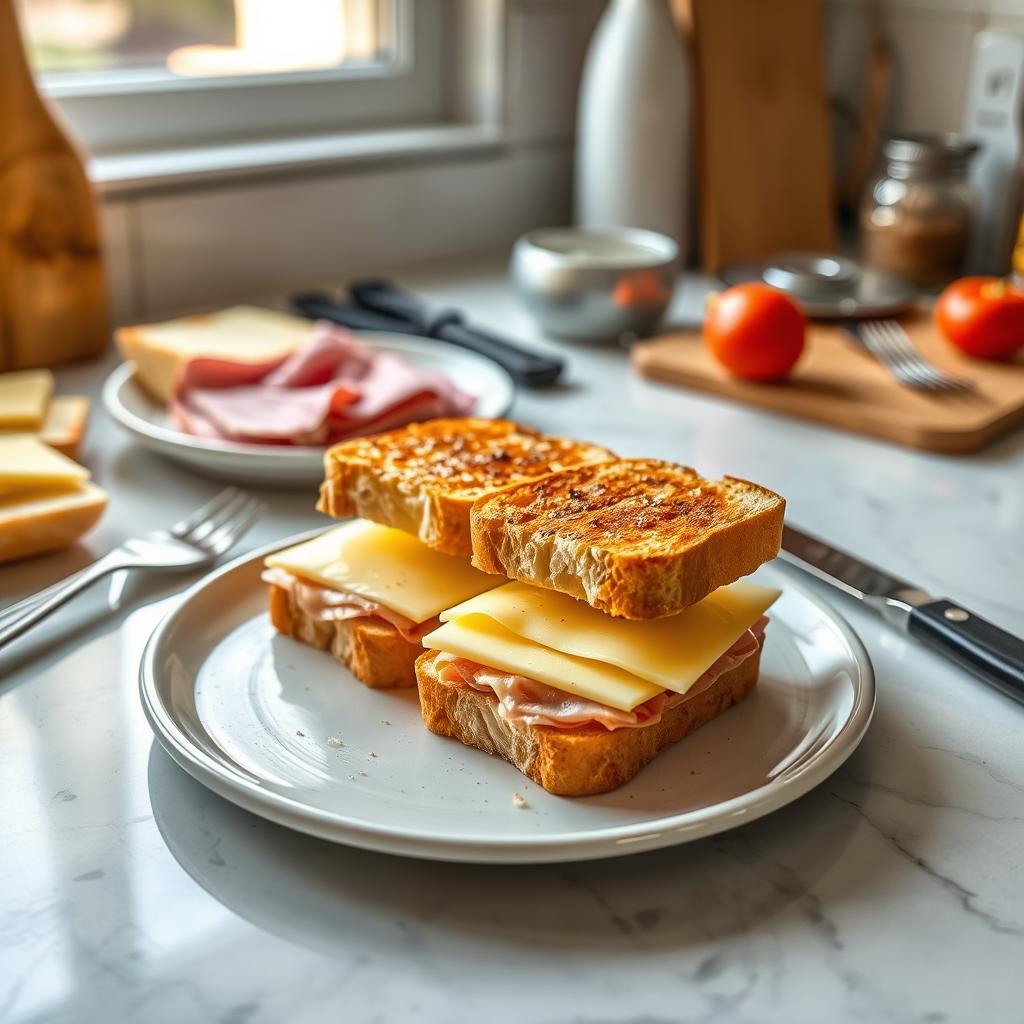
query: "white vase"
633, 148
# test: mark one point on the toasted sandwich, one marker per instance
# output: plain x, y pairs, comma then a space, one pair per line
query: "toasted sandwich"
369, 590
425, 477
627, 625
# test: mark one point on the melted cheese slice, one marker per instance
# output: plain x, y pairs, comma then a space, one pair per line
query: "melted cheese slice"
672, 652
385, 565
483, 640
29, 466
24, 396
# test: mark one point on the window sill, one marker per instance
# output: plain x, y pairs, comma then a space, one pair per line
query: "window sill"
162, 170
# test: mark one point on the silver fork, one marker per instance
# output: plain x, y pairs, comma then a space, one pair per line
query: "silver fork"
890, 344
198, 540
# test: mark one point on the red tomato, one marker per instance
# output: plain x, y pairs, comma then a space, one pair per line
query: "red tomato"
982, 316
755, 331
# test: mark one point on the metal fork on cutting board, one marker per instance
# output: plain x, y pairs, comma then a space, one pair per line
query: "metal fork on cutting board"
890, 344
197, 541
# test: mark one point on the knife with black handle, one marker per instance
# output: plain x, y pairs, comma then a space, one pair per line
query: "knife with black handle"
379, 306
990, 653
524, 365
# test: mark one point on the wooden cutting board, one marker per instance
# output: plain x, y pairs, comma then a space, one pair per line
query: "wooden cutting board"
838, 383
765, 148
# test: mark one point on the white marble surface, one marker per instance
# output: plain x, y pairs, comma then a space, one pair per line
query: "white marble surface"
891, 893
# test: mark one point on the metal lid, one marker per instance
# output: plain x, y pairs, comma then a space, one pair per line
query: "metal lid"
929, 154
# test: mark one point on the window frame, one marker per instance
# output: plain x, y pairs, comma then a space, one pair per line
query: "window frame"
138, 112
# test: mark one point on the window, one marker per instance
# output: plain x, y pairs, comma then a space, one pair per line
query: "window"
141, 76
95, 43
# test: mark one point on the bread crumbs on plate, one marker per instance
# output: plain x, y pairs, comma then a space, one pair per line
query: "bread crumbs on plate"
333, 741
520, 801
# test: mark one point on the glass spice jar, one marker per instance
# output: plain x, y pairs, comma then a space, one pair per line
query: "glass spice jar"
915, 219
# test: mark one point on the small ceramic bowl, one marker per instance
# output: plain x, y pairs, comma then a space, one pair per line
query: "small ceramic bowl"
595, 284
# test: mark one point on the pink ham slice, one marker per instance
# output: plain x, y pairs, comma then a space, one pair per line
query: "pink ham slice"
334, 387
528, 702
326, 605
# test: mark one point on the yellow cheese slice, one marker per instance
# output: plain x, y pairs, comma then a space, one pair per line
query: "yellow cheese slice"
244, 334
483, 640
44, 522
24, 396
672, 652
385, 565
28, 465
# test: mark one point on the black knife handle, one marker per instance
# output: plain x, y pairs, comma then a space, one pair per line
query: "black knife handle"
384, 297
524, 366
989, 652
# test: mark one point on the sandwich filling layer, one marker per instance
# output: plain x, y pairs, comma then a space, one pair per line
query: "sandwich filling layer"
322, 604
523, 701
552, 660
364, 570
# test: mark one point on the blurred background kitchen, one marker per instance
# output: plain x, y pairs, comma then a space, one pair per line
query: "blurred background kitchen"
252, 146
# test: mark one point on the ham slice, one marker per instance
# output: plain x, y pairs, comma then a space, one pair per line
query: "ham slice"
528, 702
324, 604
332, 388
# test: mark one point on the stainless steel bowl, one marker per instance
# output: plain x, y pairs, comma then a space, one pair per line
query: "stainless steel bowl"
595, 284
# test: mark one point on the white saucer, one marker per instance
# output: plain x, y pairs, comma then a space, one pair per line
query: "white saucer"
285, 466
257, 718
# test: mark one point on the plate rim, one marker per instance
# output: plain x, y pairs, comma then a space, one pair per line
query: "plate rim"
155, 433
611, 841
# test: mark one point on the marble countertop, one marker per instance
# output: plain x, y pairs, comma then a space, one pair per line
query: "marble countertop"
890, 893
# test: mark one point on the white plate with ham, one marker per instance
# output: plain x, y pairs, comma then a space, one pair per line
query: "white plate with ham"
287, 733
268, 424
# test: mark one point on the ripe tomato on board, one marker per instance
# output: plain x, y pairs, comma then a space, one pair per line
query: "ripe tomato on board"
983, 317
754, 331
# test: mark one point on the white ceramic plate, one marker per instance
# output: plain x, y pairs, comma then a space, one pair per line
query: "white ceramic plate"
256, 717
279, 466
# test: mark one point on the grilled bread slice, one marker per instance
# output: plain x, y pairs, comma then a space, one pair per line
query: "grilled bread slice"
635, 538
373, 650
424, 478
581, 761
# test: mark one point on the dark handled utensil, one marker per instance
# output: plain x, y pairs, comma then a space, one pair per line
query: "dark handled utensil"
380, 306
990, 653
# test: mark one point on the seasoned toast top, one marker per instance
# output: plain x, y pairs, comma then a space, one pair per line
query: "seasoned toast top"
423, 477
637, 538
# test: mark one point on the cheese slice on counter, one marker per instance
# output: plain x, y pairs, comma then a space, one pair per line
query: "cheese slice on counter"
29, 466
245, 334
483, 640
385, 565
63, 426
32, 524
672, 652
24, 396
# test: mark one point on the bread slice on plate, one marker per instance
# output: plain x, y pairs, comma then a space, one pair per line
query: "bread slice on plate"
425, 477
635, 538
373, 650
582, 761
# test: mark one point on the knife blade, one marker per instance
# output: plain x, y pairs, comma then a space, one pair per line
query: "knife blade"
984, 649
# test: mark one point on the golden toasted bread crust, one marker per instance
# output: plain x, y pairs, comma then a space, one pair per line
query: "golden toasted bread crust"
635, 538
424, 477
370, 648
570, 762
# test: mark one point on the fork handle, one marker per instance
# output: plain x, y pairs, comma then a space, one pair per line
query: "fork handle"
57, 596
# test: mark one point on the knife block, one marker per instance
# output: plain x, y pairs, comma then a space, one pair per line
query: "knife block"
53, 298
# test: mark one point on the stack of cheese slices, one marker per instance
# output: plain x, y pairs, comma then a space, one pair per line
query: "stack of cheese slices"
570, 611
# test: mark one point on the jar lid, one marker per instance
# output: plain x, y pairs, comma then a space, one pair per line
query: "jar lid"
940, 153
